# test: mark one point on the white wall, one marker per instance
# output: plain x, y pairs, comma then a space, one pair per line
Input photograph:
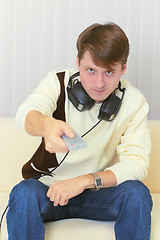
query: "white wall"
37, 36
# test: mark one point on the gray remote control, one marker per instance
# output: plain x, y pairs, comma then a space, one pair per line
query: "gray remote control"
74, 143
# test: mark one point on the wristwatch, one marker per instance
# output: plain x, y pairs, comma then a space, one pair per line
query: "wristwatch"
98, 181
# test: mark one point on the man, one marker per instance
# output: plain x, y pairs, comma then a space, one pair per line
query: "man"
118, 145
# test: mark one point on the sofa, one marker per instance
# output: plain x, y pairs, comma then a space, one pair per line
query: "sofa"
17, 147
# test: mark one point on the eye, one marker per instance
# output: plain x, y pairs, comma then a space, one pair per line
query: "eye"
109, 73
90, 70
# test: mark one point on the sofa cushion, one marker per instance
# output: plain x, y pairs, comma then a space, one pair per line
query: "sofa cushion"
155, 230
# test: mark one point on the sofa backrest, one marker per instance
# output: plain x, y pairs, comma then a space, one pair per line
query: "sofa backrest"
16, 148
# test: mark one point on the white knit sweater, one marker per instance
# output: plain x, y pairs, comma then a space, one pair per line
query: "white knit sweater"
122, 145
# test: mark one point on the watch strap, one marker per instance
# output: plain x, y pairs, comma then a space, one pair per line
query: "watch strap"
98, 181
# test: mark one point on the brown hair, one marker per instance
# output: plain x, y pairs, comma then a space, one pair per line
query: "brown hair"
107, 44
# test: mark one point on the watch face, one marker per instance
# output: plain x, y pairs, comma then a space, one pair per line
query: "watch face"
99, 182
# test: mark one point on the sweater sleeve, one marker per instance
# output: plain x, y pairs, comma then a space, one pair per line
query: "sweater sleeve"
134, 148
43, 99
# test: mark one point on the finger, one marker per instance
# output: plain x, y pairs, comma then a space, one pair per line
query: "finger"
68, 131
51, 196
55, 204
49, 192
63, 202
62, 144
56, 146
56, 200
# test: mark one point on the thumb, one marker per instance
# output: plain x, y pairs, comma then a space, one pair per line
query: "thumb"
68, 131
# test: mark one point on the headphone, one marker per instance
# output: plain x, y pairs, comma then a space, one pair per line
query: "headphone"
82, 101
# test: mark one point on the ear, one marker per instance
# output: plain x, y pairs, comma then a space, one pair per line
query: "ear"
124, 68
77, 62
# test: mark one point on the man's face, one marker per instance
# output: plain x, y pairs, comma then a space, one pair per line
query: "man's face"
98, 82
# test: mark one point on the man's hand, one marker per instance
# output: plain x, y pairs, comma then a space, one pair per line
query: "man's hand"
50, 128
61, 191
53, 131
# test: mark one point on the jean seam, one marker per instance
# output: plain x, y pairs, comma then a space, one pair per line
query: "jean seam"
112, 211
43, 211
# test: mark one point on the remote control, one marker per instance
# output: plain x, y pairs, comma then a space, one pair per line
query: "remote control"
75, 142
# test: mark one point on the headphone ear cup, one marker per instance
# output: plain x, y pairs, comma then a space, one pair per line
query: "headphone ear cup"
79, 97
109, 107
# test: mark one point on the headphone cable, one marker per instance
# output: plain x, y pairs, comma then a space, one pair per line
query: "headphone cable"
91, 128
51, 172
2, 217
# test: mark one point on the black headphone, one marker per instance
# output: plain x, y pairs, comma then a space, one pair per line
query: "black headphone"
82, 101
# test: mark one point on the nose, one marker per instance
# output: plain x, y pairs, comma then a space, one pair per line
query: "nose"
100, 81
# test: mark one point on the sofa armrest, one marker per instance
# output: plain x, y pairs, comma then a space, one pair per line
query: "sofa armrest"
153, 178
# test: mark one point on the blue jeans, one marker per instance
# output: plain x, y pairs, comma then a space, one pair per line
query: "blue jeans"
129, 204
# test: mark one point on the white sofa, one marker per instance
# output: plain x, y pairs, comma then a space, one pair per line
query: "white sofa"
17, 147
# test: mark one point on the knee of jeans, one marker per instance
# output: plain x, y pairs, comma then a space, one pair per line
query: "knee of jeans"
138, 194
24, 188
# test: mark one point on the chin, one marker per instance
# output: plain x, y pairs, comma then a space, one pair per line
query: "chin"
100, 99
97, 98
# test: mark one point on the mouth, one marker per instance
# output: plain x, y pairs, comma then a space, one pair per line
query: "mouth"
99, 95
99, 91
